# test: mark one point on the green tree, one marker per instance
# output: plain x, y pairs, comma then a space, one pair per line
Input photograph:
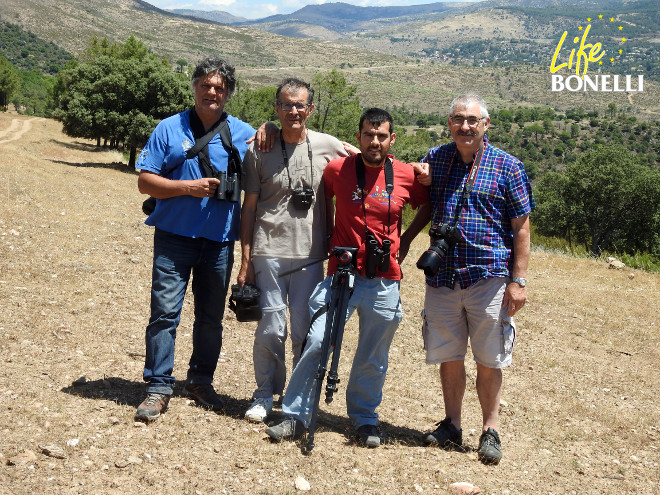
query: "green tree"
337, 106
9, 82
35, 96
412, 147
253, 106
605, 199
575, 130
535, 129
181, 63
119, 95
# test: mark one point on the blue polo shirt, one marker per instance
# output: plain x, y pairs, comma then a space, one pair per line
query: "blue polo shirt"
165, 155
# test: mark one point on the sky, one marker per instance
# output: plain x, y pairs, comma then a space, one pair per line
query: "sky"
257, 9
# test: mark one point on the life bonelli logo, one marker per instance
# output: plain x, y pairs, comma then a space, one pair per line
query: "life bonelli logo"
603, 51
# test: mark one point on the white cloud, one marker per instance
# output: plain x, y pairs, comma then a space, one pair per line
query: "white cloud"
217, 3
271, 8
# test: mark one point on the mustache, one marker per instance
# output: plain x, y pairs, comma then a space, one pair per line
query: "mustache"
468, 133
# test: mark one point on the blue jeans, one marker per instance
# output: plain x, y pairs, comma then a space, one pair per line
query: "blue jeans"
379, 310
175, 258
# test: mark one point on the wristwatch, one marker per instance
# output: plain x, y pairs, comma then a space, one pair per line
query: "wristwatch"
522, 282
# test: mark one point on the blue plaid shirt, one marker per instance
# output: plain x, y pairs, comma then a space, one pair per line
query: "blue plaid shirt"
501, 191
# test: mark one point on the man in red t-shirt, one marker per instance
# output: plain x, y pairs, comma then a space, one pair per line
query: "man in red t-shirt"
370, 190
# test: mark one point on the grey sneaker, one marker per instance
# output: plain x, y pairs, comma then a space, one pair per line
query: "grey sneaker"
490, 450
289, 429
369, 436
204, 395
152, 407
259, 410
445, 436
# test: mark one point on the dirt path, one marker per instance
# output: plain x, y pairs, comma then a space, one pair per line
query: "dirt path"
17, 129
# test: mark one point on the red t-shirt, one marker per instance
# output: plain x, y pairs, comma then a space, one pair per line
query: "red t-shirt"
340, 179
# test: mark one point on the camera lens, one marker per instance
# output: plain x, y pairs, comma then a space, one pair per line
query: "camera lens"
430, 259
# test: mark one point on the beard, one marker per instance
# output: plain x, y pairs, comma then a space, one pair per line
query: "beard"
371, 160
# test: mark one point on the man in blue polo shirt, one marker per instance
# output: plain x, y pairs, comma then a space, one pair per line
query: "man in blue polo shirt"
194, 234
476, 286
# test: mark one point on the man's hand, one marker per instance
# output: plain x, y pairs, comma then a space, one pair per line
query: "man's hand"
514, 299
163, 188
203, 188
265, 136
350, 149
404, 247
422, 172
246, 274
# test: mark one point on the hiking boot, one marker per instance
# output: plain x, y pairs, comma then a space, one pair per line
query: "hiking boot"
369, 436
259, 410
152, 407
490, 450
289, 429
445, 436
204, 395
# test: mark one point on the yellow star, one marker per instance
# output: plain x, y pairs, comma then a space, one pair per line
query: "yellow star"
623, 40
600, 16
612, 59
580, 28
611, 19
600, 62
620, 28
620, 52
588, 19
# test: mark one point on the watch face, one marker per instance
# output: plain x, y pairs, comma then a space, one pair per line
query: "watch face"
520, 281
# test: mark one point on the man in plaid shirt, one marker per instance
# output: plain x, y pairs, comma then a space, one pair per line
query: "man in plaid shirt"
480, 281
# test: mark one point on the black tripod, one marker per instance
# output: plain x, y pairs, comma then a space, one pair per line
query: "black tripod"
340, 292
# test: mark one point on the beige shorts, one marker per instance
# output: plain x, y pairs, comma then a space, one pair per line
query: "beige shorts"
451, 317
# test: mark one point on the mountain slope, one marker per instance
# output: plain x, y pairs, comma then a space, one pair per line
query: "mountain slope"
428, 80
72, 24
213, 15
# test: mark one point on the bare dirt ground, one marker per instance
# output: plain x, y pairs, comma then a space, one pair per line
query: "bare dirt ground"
580, 409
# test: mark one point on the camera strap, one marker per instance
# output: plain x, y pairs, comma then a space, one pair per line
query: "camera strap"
285, 157
389, 187
469, 184
201, 148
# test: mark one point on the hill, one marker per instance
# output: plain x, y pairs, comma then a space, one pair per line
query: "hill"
407, 63
334, 20
212, 15
72, 24
26, 51
579, 411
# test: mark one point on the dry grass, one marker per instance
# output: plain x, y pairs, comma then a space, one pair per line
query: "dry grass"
581, 412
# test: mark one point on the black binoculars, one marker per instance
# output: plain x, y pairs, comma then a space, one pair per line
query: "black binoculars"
378, 256
229, 188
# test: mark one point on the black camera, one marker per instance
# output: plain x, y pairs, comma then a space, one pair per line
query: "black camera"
443, 237
229, 188
302, 197
149, 205
244, 301
378, 256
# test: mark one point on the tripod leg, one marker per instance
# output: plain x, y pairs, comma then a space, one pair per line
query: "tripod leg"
336, 295
339, 322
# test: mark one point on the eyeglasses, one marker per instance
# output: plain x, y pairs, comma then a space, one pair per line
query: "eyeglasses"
287, 107
471, 120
